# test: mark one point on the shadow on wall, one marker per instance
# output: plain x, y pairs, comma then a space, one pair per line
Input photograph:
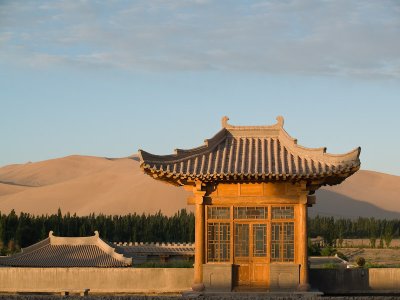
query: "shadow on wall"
337, 205
339, 281
353, 281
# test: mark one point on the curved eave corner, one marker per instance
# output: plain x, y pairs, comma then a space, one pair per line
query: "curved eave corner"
352, 165
153, 171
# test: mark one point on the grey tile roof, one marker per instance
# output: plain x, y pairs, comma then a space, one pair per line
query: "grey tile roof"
323, 261
261, 153
68, 252
133, 249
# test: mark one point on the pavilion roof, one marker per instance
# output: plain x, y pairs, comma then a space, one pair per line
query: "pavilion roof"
57, 251
251, 153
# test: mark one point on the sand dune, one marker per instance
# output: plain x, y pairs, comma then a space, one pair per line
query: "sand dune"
84, 184
89, 184
382, 190
6, 189
366, 193
53, 171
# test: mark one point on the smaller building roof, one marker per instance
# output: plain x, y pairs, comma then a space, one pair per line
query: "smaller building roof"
158, 249
57, 251
321, 262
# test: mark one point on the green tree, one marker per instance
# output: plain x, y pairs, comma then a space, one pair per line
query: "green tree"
372, 232
380, 243
388, 235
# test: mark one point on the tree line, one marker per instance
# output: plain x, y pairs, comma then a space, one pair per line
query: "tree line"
333, 231
22, 230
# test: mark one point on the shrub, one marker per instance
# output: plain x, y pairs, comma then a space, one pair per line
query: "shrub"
360, 261
328, 251
314, 249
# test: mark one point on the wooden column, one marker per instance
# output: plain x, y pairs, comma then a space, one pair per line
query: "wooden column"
199, 241
302, 247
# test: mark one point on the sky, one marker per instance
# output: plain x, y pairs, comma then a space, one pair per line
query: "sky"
106, 78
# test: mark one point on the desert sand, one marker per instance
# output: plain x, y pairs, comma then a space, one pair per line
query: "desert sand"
87, 184
366, 193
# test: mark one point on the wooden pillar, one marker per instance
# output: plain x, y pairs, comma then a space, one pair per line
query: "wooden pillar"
199, 242
303, 241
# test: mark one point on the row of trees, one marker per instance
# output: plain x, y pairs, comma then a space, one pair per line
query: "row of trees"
334, 230
22, 230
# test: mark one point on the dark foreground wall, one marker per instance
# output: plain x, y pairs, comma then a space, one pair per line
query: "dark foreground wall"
222, 297
353, 281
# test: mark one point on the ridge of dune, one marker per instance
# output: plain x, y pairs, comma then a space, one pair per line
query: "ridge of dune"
87, 184
6, 189
53, 170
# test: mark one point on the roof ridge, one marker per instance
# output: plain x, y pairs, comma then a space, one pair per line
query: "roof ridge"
30, 249
209, 145
111, 251
66, 240
279, 124
316, 153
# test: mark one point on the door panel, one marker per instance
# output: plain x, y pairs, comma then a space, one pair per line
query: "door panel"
242, 240
242, 252
250, 253
259, 265
244, 273
260, 274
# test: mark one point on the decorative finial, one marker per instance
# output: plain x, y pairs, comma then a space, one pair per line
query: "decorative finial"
224, 122
51, 233
96, 233
280, 120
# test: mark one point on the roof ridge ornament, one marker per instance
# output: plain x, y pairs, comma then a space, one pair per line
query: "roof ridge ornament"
280, 120
224, 122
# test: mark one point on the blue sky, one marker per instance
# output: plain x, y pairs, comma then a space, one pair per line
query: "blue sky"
106, 78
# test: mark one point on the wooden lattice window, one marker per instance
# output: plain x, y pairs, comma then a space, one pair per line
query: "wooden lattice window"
282, 241
260, 240
251, 212
218, 248
283, 212
218, 212
288, 241
242, 240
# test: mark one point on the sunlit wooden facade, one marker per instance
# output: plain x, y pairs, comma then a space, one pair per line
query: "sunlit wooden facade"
251, 188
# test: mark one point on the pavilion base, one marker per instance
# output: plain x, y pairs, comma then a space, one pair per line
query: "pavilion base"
198, 287
304, 287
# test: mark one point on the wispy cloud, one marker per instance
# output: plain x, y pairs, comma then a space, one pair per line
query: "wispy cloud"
352, 38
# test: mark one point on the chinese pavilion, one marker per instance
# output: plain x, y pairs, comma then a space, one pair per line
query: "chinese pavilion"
251, 188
